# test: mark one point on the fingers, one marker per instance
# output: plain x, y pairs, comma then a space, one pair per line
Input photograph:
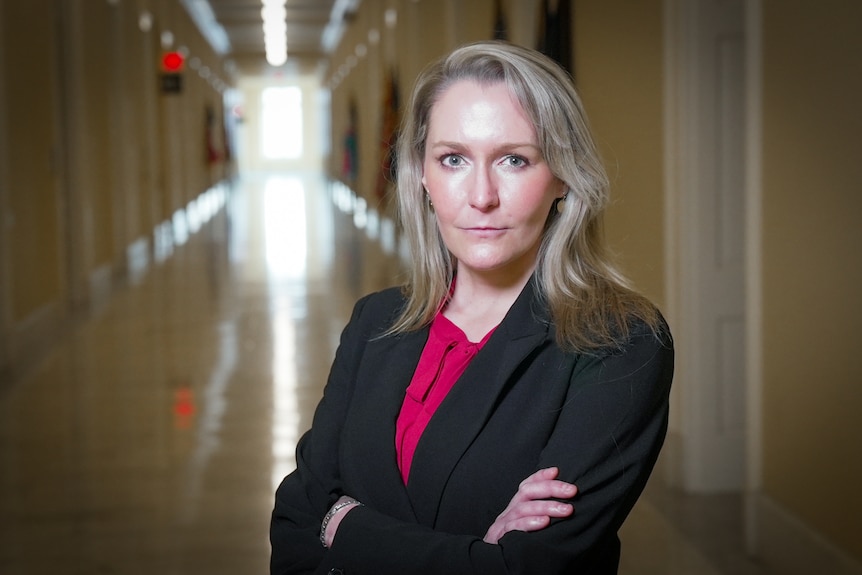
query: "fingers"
537, 515
546, 473
533, 520
498, 529
524, 512
534, 504
527, 517
544, 485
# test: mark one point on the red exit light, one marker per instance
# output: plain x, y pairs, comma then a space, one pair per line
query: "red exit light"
172, 62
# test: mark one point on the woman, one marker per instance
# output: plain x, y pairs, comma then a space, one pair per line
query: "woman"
501, 412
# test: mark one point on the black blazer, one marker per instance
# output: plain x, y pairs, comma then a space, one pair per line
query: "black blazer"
522, 404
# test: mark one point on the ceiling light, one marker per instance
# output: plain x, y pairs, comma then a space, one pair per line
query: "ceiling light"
274, 14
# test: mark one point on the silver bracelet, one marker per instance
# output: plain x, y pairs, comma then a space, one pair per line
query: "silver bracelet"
331, 514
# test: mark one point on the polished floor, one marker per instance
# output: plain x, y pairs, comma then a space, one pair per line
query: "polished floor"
150, 439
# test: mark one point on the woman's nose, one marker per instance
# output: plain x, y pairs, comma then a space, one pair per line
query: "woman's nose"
483, 190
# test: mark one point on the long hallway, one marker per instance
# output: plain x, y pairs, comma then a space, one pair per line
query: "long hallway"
151, 438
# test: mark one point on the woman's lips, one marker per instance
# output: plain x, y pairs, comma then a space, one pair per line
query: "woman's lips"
485, 231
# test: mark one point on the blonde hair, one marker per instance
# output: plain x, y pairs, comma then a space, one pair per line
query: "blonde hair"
590, 301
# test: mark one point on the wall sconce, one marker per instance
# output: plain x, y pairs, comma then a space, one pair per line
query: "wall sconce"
390, 17
167, 39
145, 21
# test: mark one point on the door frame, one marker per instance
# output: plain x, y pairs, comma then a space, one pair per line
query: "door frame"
5, 276
753, 266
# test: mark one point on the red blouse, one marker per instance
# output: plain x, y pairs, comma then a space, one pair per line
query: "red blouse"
445, 357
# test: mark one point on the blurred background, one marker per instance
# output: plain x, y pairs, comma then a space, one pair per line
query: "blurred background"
194, 192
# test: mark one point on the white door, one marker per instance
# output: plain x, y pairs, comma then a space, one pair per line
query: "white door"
707, 239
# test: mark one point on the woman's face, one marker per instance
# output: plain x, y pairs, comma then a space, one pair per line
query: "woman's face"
487, 180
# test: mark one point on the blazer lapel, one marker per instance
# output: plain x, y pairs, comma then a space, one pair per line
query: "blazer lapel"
388, 366
464, 412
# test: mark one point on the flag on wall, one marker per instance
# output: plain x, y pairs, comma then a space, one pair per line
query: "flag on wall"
388, 134
500, 29
555, 32
350, 158
212, 153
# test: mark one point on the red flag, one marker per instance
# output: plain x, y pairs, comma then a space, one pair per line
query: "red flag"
350, 157
388, 135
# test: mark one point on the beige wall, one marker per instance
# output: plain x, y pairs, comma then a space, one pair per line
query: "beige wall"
94, 157
812, 264
618, 69
30, 216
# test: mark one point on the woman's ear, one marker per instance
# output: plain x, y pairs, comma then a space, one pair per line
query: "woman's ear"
562, 189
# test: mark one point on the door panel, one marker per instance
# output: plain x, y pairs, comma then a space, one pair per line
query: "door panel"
707, 198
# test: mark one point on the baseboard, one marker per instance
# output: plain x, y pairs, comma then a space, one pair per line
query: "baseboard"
785, 542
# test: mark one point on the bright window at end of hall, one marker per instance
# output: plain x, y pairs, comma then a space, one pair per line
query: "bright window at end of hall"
282, 123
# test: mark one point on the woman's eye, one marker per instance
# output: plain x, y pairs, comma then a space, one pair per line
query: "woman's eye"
515, 161
452, 160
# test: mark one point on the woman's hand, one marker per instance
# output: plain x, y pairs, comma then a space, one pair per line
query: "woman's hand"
533, 505
332, 525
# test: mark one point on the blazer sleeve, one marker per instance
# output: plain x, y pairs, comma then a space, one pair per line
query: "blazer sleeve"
304, 496
606, 441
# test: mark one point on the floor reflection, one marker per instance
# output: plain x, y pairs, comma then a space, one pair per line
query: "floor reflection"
149, 440
285, 235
